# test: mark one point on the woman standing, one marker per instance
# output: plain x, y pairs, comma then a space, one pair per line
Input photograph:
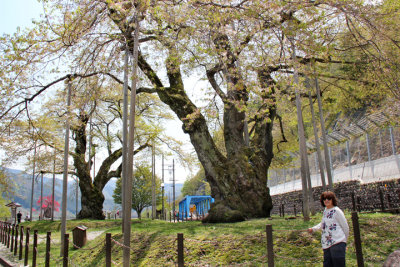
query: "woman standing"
335, 231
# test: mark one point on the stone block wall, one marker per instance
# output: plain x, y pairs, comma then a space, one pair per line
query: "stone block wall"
367, 196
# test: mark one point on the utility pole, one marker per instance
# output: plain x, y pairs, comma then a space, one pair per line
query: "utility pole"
128, 182
33, 180
65, 173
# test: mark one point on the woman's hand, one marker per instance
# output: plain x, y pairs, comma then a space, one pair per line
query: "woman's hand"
310, 230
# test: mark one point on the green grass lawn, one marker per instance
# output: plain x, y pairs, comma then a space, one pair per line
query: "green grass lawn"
153, 243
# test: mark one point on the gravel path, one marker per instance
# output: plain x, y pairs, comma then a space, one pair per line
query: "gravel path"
9, 257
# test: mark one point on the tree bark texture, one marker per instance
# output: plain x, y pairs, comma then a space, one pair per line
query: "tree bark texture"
238, 180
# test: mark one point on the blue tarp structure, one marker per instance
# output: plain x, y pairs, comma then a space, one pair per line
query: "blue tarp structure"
202, 204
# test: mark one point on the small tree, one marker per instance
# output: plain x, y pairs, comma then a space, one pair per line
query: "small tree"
47, 205
141, 189
196, 185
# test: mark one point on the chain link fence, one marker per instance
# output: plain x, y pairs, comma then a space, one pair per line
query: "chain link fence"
373, 156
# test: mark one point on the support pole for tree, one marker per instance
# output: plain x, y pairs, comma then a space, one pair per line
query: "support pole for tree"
317, 145
124, 131
162, 189
153, 183
41, 196
65, 174
129, 176
53, 186
173, 188
76, 197
302, 142
33, 180
328, 164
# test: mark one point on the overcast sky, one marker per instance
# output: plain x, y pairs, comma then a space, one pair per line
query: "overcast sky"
17, 13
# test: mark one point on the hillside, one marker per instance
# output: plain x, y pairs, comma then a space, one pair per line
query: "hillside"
22, 183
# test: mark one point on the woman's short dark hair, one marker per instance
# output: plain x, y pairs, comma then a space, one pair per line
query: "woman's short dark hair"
328, 195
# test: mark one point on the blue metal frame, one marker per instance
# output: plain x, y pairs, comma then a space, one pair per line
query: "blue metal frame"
202, 204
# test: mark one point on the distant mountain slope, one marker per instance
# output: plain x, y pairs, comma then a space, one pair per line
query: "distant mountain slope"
22, 183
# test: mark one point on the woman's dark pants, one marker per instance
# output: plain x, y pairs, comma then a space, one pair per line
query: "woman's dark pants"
335, 256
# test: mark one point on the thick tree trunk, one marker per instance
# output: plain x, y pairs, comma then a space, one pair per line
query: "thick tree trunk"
238, 180
92, 198
91, 202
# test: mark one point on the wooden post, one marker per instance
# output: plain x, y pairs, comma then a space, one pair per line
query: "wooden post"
270, 246
16, 241
9, 235
389, 200
358, 205
108, 249
65, 254
180, 250
27, 246
21, 241
12, 238
283, 210
48, 240
295, 211
34, 250
357, 239
381, 199
1, 231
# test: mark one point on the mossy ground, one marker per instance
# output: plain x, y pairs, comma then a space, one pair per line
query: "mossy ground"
153, 243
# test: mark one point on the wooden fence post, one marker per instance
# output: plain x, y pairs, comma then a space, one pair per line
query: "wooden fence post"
21, 241
181, 262
353, 201
270, 246
357, 239
9, 235
16, 241
382, 200
358, 203
12, 238
1, 231
48, 240
389, 200
108, 249
295, 211
34, 250
27, 246
65, 257
283, 210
